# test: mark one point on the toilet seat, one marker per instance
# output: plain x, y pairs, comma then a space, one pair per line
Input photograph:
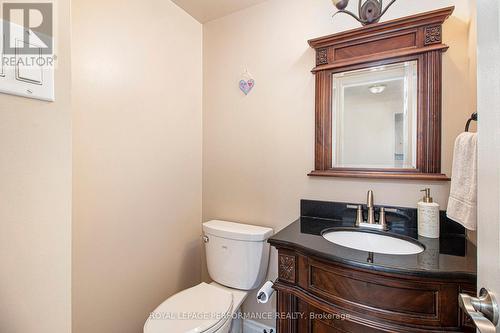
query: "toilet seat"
201, 309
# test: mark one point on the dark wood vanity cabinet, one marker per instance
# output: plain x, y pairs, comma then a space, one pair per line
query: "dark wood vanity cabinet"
321, 296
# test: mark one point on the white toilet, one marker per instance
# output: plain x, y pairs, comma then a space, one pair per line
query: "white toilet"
237, 260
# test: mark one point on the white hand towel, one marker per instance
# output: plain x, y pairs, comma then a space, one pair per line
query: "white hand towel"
462, 205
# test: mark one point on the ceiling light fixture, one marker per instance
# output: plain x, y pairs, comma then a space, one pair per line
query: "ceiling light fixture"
377, 88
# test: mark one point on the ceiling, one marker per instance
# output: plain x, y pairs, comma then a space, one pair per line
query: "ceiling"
207, 10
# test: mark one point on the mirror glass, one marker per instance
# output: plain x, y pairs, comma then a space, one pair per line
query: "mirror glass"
375, 117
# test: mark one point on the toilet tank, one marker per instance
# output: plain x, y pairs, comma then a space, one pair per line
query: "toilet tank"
237, 254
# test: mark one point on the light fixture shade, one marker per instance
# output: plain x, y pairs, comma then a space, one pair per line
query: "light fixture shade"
340, 4
377, 88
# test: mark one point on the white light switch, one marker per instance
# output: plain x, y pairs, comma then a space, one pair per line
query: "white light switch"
32, 72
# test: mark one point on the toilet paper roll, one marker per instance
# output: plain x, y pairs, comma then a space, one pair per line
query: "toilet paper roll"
264, 293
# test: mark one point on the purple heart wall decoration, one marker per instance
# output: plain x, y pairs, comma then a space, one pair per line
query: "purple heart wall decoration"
246, 86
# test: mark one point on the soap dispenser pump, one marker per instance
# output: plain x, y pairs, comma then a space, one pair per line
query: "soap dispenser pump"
428, 216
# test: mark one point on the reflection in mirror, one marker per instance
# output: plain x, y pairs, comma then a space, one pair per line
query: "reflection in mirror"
375, 117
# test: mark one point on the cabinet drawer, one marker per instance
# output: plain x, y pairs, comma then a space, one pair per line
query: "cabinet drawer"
316, 321
378, 296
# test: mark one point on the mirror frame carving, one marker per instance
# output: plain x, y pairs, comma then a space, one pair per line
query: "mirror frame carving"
417, 37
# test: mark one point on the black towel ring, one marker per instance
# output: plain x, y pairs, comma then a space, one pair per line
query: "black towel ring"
473, 117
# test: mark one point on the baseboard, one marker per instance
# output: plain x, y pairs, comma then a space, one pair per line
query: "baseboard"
250, 326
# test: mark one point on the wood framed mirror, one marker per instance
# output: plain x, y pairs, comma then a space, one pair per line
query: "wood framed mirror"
378, 100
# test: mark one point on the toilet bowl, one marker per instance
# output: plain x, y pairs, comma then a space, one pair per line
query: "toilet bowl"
214, 307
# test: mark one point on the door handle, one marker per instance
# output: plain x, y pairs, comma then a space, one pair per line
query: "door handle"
483, 310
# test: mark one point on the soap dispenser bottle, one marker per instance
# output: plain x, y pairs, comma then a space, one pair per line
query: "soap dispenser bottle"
428, 216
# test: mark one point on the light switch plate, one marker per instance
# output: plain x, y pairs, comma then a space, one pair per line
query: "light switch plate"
29, 76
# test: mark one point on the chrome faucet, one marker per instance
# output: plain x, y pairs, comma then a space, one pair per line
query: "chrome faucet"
370, 221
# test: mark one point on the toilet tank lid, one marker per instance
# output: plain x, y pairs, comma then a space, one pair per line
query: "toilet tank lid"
237, 231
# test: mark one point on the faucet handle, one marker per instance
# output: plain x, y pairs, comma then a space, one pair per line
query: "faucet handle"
381, 220
359, 215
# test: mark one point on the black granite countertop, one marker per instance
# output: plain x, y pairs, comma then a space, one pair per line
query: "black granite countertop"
450, 256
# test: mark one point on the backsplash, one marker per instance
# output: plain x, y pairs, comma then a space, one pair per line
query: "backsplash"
397, 217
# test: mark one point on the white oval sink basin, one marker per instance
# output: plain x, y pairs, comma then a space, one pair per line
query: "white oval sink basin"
371, 242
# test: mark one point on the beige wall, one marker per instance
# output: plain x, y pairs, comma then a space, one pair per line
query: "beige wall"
258, 149
137, 160
35, 203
